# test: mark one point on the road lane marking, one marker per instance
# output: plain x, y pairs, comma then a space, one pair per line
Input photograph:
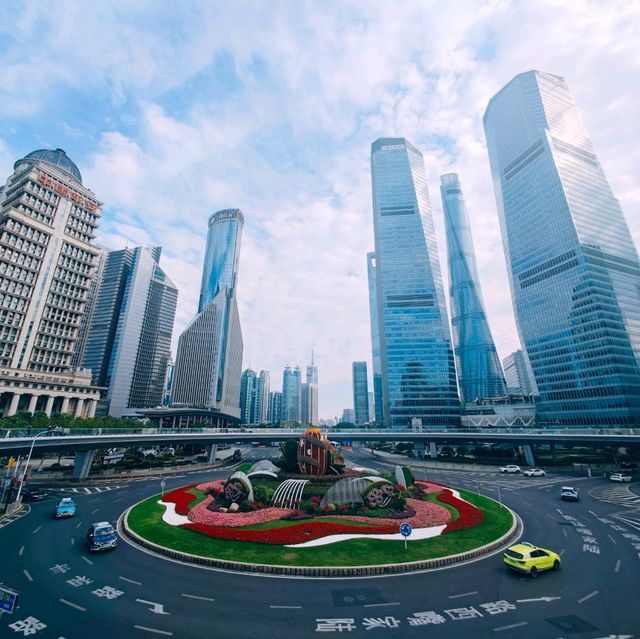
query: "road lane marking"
186, 594
564, 532
378, 605
158, 632
79, 524
513, 625
93, 512
27, 575
589, 596
37, 529
21, 551
550, 516
70, 603
464, 594
88, 561
561, 552
286, 607
73, 541
612, 539
592, 513
131, 581
617, 568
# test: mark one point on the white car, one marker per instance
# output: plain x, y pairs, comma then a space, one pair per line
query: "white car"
534, 472
619, 477
511, 468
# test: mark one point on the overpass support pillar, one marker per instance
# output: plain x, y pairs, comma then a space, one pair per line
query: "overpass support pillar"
83, 464
418, 450
212, 449
433, 450
528, 454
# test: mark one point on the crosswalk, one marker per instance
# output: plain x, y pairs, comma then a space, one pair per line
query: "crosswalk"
88, 490
616, 494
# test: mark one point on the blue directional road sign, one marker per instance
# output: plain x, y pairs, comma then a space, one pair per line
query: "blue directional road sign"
405, 529
8, 599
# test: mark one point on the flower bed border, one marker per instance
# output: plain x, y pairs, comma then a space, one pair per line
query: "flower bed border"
322, 571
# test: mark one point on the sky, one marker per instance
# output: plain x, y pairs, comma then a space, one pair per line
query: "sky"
173, 110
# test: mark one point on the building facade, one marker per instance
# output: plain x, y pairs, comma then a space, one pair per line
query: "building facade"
418, 370
518, 374
264, 387
375, 339
479, 371
291, 394
48, 221
275, 407
309, 396
360, 393
128, 340
249, 407
573, 266
209, 357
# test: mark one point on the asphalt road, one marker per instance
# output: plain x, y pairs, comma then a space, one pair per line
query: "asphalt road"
67, 592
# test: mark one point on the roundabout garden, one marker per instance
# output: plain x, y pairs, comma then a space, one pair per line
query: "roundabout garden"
308, 511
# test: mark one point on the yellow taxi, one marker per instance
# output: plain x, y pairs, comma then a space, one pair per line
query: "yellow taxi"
530, 559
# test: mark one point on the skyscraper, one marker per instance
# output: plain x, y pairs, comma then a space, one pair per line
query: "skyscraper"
418, 370
48, 220
264, 385
249, 397
209, 359
360, 393
518, 374
291, 394
572, 264
275, 408
129, 337
479, 371
309, 396
375, 339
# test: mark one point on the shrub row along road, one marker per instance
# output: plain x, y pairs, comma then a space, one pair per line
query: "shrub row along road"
67, 592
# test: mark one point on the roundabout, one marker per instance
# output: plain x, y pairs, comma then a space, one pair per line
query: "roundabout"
132, 592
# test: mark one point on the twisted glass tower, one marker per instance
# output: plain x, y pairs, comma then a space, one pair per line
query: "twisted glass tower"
418, 371
573, 266
479, 371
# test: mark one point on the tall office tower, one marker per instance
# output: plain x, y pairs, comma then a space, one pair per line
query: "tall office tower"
479, 371
372, 411
275, 408
360, 393
264, 385
129, 337
209, 359
573, 267
249, 397
48, 221
375, 339
168, 382
518, 374
291, 394
418, 370
348, 416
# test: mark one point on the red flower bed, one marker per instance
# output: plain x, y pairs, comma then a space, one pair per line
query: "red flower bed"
470, 516
294, 534
181, 498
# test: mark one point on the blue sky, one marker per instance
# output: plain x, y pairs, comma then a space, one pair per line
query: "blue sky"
174, 110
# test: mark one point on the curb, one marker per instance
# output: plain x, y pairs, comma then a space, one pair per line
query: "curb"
329, 571
5, 520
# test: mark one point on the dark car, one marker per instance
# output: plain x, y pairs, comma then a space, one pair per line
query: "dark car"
33, 494
101, 536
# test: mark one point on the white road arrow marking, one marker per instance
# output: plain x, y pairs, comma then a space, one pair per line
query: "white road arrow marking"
538, 599
617, 637
155, 607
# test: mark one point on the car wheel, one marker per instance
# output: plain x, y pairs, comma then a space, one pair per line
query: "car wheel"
533, 572
556, 565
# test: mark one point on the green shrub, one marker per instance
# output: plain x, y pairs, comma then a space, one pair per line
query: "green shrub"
409, 478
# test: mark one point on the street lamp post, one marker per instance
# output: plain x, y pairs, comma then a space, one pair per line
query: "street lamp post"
44, 432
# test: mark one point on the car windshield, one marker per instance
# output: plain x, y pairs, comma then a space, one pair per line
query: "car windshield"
105, 530
513, 554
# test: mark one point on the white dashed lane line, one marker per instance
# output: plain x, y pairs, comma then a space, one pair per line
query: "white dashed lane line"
93, 512
70, 603
617, 568
379, 605
79, 524
589, 596
154, 630
513, 625
21, 551
286, 607
88, 561
73, 541
37, 529
131, 581
27, 574
612, 539
186, 594
464, 594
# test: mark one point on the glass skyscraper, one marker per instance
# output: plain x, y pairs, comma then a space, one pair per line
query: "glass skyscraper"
418, 371
573, 266
375, 339
479, 371
360, 393
209, 359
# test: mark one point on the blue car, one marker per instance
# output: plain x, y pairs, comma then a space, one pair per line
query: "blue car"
101, 536
66, 508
